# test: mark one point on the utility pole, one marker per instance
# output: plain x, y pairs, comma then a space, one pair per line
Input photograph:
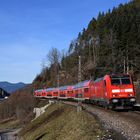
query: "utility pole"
79, 70
127, 65
124, 66
58, 80
79, 106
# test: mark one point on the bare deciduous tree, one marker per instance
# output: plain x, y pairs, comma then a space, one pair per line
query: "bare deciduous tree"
54, 56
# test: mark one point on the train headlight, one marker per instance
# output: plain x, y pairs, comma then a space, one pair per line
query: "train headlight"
115, 91
113, 95
115, 100
132, 100
129, 90
130, 95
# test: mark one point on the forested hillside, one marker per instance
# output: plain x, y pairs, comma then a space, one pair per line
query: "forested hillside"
110, 44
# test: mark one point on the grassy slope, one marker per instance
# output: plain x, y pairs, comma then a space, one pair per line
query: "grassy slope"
62, 122
10, 123
138, 94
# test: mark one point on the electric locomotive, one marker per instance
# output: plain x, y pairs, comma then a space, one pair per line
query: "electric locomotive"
114, 91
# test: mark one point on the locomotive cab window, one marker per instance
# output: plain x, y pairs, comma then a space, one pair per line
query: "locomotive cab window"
125, 81
115, 81
120, 81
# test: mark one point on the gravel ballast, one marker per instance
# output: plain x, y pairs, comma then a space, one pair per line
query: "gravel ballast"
128, 127
126, 124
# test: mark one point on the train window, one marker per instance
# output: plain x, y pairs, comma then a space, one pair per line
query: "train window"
125, 81
115, 81
120, 81
86, 90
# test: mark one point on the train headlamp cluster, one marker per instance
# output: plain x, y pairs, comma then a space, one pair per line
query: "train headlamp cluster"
121, 90
115, 91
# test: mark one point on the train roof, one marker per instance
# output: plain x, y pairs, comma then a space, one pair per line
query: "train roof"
82, 84
99, 79
65, 87
50, 89
119, 76
38, 90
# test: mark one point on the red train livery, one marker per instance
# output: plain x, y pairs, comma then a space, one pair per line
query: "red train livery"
38, 93
83, 90
114, 91
111, 91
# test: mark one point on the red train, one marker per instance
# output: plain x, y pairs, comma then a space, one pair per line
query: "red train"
114, 91
110, 91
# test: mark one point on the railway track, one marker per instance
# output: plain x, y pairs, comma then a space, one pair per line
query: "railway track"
136, 112
85, 105
125, 122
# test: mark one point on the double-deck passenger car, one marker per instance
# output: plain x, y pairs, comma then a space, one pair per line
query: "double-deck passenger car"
83, 90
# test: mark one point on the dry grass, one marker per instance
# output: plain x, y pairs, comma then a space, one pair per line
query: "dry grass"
138, 95
10, 123
62, 122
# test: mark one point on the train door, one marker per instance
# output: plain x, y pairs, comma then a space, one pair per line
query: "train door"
104, 89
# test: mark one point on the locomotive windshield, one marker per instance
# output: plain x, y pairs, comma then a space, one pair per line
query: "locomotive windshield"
125, 81
115, 81
120, 80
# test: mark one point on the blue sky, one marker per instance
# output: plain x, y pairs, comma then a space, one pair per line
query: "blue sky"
29, 28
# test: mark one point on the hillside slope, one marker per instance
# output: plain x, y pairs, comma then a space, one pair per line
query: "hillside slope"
62, 122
